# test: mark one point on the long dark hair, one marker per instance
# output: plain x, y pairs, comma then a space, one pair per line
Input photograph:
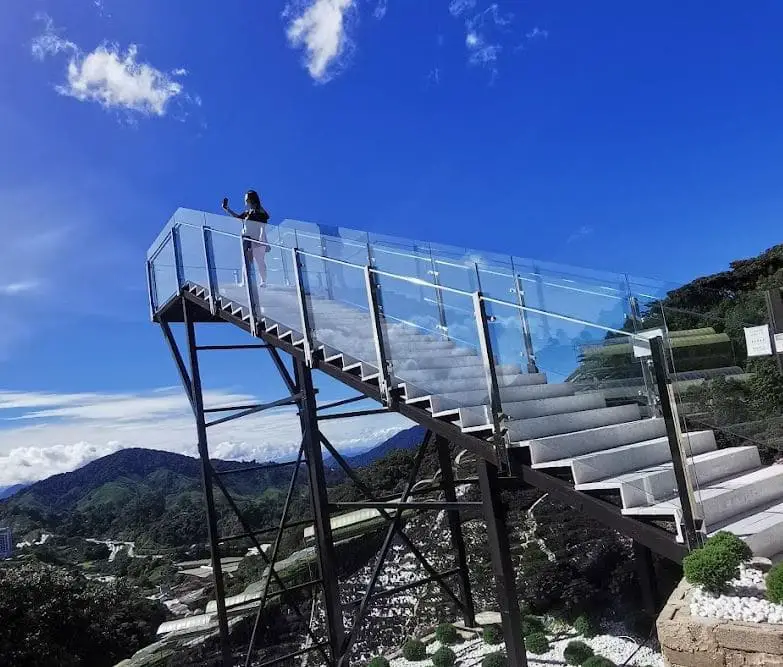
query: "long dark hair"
253, 199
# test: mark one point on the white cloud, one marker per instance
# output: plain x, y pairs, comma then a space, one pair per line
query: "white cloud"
42, 434
19, 287
380, 9
107, 75
536, 33
320, 27
583, 232
458, 7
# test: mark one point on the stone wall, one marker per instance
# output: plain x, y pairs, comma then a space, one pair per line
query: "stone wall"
691, 641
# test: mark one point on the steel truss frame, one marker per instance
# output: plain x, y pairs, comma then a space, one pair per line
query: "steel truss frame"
336, 649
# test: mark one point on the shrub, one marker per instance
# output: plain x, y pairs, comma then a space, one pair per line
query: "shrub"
444, 657
537, 643
378, 661
576, 653
711, 568
524, 608
732, 544
585, 626
531, 624
493, 634
598, 661
414, 650
446, 634
775, 584
495, 660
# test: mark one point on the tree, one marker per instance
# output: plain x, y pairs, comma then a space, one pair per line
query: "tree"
54, 617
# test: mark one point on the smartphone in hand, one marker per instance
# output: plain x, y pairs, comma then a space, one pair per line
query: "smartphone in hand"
225, 202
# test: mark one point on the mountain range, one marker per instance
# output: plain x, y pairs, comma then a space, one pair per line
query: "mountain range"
155, 497
8, 491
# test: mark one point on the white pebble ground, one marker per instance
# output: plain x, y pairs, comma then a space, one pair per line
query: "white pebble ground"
618, 649
745, 601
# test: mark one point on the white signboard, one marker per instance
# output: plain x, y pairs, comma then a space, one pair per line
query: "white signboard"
641, 348
779, 343
758, 341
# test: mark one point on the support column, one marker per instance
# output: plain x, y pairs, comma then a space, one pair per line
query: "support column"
455, 528
327, 561
497, 534
206, 482
645, 570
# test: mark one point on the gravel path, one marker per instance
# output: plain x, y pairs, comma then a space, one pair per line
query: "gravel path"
616, 647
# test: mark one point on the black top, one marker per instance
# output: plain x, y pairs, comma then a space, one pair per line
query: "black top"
259, 215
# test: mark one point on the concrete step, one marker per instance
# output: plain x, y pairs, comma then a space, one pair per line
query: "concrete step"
541, 427
600, 464
413, 391
727, 498
761, 528
473, 416
607, 436
510, 394
437, 361
655, 484
453, 376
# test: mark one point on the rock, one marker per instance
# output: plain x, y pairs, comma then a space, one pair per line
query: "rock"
759, 564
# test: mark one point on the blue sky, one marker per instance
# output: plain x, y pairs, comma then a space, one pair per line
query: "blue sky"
613, 135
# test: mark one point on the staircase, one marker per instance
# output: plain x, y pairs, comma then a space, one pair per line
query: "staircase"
616, 452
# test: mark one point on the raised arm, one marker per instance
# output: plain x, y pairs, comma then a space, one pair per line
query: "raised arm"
240, 216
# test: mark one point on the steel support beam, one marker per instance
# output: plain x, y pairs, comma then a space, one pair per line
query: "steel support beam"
404, 587
505, 583
455, 529
775, 314
206, 481
668, 406
355, 413
327, 560
403, 505
275, 551
290, 400
381, 559
645, 571
388, 517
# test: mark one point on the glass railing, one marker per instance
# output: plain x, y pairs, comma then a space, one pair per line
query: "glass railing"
425, 297
599, 297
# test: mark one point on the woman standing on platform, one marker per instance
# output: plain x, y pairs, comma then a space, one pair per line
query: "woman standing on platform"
254, 218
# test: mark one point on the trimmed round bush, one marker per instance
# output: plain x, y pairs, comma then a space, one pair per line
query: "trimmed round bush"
531, 624
576, 653
495, 660
493, 634
537, 643
585, 626
730, 543
414, 650
711, 568
444, 657
775, 584
446, 634
378, 661
598, 661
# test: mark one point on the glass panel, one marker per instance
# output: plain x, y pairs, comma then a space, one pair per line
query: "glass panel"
725, 399
227, 253
164, 276
191, 243
431, 342
402, 257
339, 318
